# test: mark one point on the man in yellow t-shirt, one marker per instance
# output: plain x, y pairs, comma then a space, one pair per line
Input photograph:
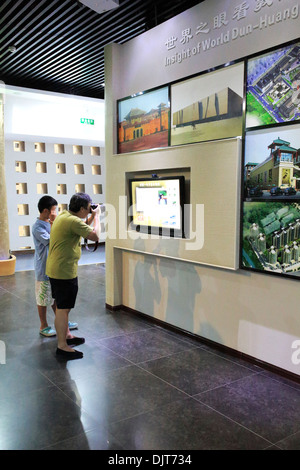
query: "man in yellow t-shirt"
62, 265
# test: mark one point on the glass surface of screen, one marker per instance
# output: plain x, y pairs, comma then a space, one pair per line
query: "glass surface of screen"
157, 203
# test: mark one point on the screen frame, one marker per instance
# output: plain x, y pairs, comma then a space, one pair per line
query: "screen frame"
152, 229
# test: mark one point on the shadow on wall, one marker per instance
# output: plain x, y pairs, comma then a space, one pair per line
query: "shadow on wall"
146, 284
209, 332
183, 286
182, 283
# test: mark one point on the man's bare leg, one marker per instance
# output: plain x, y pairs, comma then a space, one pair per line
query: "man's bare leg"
69, 334
62, 328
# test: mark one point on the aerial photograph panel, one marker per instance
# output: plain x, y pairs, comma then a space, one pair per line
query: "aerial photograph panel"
273, 87
271, 237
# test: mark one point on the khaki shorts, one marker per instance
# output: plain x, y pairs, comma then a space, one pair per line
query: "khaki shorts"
43, 293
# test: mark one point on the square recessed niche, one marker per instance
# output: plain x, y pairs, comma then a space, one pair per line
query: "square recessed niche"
96, 169
23, 209
77, 150
21, 188
79, 188
95, 151
19, 146
62, 207
42, 188
60, 168
40, 147
21, 167
41, 167
97, 188
61, 189
79, 169
59, 148
24, 230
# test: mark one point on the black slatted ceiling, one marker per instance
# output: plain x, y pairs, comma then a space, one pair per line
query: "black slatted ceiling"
60, 43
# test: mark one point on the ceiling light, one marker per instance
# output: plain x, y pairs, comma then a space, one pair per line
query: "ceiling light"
100, 6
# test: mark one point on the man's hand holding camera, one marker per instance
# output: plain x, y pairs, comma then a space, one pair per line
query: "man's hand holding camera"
95, 211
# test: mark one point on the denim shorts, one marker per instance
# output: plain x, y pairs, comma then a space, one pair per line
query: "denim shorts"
64, 291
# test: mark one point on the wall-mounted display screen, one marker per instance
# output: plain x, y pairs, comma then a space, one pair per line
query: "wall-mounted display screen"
157, 205
273, 87
143, 120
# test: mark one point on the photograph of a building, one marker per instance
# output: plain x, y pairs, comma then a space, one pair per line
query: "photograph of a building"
271, 237
144, 121
207, 107
273, 87
221, 105
272, 164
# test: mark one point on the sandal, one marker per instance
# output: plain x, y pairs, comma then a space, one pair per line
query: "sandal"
72, 325
48, 331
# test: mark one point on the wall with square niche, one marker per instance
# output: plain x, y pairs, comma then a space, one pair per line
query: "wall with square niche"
34, 169
239, 310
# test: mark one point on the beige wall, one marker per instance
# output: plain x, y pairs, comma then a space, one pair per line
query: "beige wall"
202, 292
255, 314
212, 172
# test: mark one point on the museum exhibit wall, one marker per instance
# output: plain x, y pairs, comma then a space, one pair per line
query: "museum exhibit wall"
54, 144
195, 283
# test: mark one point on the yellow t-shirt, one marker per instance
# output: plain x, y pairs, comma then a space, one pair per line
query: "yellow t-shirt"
64, 247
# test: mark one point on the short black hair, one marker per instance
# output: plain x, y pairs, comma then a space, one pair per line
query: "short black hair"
46, 202
78, 201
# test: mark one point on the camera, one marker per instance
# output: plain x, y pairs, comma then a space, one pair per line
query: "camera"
93, 206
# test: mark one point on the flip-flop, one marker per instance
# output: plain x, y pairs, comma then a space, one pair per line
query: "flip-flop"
48, 331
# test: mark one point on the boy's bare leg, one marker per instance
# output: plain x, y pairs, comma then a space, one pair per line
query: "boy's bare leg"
54, 307
42, 311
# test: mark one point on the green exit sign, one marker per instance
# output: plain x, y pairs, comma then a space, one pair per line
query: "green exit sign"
87, 121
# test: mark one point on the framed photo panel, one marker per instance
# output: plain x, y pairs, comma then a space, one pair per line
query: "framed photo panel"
270, 225
208, 107
143, 120
271, 237
270, 215
273, 87
272, 163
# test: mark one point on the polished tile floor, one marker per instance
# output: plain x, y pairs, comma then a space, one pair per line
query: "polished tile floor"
138, 386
